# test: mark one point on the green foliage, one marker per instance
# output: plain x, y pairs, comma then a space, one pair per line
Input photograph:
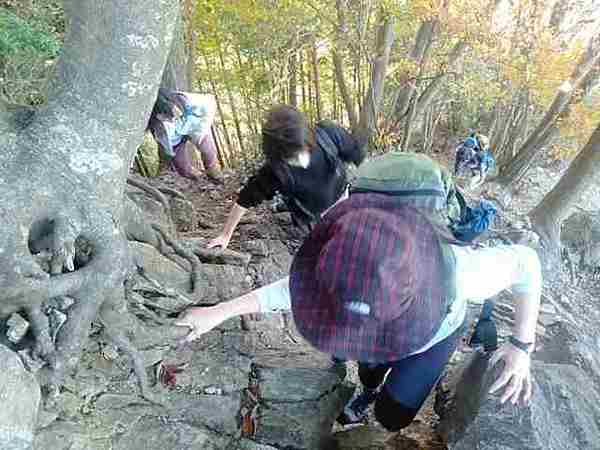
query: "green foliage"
19, 35
29, 45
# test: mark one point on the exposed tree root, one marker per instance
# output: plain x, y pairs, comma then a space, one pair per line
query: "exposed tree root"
549, 234
151, 191
113, 316
171, 192
184, 253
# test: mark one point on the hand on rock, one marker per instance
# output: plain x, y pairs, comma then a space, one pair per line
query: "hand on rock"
200, 320
220, 241
516, 375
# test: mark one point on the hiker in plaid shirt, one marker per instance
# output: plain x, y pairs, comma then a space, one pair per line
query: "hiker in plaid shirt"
377, 282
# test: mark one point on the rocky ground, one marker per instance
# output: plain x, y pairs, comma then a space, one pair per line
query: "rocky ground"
255, 384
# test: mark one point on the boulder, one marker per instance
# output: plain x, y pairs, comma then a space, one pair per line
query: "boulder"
216, 282
580, 233
151, 209
20, 400
271, 260
293, 400
184, 214
563, 413
17, 328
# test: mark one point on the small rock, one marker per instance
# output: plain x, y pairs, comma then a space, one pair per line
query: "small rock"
20, 394
213, 390
17, 328
56, 319
31, 364
109, 352
45, 418
257, 247
64, 303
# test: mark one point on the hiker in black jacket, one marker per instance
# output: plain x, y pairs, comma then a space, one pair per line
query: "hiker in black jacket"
305, 165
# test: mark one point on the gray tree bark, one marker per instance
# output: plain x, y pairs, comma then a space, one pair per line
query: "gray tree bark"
556, 206
338, 63
176, 75
418, 54
373, 98
293, 80
316, 79
435, 85
64, 168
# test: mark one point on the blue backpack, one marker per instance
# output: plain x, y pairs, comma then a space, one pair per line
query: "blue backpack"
473, 221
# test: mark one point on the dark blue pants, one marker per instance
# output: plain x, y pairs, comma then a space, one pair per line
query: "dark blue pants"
409, 382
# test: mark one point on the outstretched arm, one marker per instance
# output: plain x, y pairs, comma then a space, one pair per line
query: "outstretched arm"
483, 273
271, 298
516, 376
222, 240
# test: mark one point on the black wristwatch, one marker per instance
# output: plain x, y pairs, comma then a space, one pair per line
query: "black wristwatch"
527, 347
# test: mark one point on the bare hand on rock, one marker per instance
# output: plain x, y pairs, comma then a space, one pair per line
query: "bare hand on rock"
200, 320
220, 241
516, 375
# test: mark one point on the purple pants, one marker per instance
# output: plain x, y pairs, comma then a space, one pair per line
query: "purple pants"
182, 162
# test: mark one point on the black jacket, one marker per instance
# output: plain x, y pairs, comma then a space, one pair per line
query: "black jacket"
318, 186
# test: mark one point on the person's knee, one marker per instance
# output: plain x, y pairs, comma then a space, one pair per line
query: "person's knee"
392, 415
371, 377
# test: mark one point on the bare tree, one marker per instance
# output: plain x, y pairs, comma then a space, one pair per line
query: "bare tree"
556, 206
316, 79
373, 98
179, 70
338, 63
418, 54
64, 169
293, 79
533, 145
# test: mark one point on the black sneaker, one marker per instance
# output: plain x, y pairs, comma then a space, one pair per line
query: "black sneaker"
355, 410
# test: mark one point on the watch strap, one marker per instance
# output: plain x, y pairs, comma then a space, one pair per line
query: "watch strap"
527, 347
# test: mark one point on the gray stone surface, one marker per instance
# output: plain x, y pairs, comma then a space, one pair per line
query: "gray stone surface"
581, 234
300, 396
17, 328
19, 400
271, 260
563, 413
152, 209
216, 282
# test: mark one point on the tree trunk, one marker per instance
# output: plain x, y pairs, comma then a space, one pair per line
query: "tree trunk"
334, 99
532, 147
250, 121
303, 80
433, 88
232, 107
418, 54
230, 148
293, 80
64, 169
372, 102
407, 133
309, 84
338, 63
548, 216
177, 73
316, 80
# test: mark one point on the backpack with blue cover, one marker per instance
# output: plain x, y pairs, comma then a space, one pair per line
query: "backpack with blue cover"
416, 179
419, 181
473, 221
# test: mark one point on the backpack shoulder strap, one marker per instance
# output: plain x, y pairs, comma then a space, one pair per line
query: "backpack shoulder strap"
325, 142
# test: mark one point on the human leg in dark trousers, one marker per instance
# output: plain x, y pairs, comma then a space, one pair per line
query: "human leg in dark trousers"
408, 384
